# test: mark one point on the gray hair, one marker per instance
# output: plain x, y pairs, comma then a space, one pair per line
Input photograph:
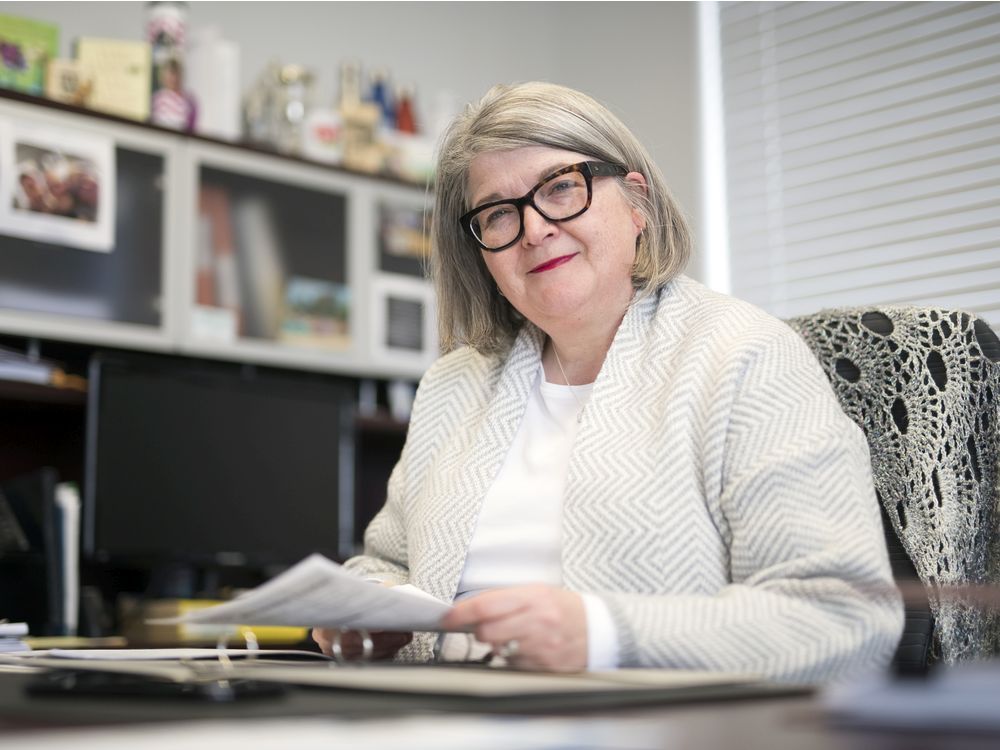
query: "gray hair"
471, 310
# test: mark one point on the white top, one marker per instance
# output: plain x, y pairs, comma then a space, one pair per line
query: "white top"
518, 538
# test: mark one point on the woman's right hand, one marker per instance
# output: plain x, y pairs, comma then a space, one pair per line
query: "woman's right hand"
385, 643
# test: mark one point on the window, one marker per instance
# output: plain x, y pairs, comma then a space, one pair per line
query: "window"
862, 149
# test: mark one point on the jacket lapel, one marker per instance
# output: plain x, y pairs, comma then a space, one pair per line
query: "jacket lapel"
461, 488
612, 456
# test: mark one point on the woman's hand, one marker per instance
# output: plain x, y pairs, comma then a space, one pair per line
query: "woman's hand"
385, 643
547, 624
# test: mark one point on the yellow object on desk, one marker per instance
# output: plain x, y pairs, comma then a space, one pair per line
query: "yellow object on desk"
42, 643
142, 631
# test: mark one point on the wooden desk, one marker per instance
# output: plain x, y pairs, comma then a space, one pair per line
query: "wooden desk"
754, 724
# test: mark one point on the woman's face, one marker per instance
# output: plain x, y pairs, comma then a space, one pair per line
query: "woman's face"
561, 275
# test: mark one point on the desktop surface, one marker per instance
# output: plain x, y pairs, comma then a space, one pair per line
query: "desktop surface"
769, 723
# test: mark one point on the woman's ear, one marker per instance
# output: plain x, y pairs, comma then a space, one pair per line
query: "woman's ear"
636, 184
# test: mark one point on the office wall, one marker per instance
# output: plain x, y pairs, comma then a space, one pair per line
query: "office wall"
638, 58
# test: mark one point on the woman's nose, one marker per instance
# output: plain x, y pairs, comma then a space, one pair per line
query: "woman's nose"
536, 226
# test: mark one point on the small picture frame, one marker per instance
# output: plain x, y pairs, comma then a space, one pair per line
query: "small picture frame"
57, 186
404, 322
403, 237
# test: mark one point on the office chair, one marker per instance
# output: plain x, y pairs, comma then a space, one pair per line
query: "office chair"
924, 386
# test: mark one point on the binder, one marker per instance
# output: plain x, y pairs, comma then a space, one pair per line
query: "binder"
452, 687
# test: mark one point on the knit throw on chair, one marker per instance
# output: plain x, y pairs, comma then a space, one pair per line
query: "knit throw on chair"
924, 385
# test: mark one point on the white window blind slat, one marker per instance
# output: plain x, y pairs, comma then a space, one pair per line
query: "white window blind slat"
934, 125
905, 161
805, 131
887, 205
741, 18
863, 112
766, 248
835, 282
903, 292
899, 24
979, 301
944, 47
918, 81
830, 27
862, 152
974, 240
887, 184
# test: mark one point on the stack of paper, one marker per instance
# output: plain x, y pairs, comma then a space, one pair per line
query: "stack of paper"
12, 637
17, 366
318, 592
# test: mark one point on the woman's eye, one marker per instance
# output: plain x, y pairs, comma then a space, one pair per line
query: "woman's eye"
496, 214
561, 189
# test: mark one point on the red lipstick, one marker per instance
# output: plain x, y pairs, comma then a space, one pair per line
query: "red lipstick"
553, 263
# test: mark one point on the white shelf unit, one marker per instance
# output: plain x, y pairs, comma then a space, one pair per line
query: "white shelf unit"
185, 161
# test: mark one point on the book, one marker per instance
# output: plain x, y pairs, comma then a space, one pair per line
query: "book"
12, 637
141, 630
28, 46
217, 314
11, 629
121, 75
17, 366
262, 268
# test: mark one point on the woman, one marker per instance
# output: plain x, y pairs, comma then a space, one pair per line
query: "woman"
614, 466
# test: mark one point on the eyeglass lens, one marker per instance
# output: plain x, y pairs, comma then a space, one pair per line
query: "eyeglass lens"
556, 199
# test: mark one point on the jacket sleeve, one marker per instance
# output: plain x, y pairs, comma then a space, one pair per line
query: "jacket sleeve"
385, 548
811, 595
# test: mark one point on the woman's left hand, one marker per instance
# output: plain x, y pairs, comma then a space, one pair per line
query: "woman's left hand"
547, 624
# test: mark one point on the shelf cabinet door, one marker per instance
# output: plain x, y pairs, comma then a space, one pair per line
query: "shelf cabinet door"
83, 228
283, 265
270, 274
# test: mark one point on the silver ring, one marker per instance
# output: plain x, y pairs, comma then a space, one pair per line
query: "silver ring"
336, 649
367, 646
509, 649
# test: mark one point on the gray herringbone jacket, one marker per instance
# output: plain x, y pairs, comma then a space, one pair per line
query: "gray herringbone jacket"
718, 499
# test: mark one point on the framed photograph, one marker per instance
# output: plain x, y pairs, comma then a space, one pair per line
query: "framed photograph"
317, 314
404, 321
57, 186
403, 238
27, 48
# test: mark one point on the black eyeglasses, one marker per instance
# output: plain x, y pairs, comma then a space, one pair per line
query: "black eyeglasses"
563, 195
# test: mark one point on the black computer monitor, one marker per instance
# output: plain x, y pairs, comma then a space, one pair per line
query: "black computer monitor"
215, 464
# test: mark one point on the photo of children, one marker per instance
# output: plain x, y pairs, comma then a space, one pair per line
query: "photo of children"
52, 182
59, 187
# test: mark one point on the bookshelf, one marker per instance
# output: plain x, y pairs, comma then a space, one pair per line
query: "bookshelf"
318, 257
216, 250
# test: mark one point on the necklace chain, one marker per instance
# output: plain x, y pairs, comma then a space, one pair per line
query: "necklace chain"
572, 392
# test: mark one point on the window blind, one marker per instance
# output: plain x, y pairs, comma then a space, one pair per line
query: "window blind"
863, 154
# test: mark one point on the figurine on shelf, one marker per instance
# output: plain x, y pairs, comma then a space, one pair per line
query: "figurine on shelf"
172, 106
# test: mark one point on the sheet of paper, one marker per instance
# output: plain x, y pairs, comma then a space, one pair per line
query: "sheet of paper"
319, 593
11, 629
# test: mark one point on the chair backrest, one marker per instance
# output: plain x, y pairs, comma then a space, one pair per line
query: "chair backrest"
924, 385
